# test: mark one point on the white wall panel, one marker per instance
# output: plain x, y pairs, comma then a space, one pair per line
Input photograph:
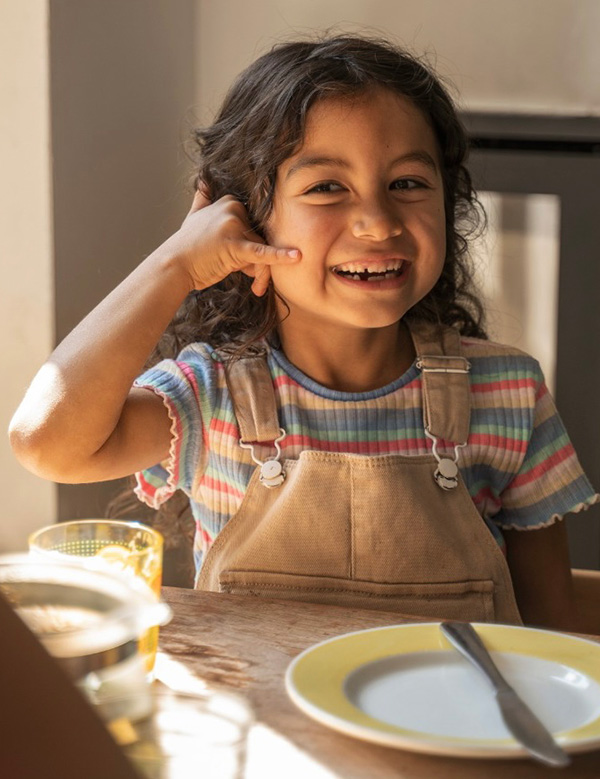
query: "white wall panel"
538, 56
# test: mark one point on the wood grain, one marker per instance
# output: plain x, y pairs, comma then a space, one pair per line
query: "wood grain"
244, 644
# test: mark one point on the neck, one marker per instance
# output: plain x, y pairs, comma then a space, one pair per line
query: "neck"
350, 360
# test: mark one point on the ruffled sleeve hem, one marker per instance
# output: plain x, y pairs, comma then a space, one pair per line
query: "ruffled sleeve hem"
576, 509
152, 488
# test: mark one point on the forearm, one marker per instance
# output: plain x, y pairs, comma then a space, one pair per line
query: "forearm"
75, 401
541, 573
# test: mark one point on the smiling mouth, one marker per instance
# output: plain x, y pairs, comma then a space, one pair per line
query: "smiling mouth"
371, 272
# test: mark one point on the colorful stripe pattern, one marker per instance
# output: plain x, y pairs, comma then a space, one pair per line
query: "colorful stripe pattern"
519, 465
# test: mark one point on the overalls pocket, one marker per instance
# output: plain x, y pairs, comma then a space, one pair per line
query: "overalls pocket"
471, 600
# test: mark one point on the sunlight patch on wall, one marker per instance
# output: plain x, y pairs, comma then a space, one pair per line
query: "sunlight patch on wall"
517, 263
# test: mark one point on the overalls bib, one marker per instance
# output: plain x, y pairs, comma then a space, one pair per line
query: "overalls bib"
388, 532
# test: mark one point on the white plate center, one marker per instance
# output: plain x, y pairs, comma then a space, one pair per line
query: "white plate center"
440, 694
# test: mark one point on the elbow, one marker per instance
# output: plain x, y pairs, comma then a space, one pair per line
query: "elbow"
27, 447
54, 453
35, 452
44, 432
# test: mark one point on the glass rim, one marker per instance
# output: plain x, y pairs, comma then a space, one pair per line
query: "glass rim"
130, 524
130, 596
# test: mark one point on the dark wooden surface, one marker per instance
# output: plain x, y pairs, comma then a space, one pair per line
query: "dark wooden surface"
244, 645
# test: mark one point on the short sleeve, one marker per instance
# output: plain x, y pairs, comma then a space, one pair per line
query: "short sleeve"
184, 385
550, 482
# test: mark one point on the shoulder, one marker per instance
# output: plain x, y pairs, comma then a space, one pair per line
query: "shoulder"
506, 382
198, 353
495, 359
191, 379
481, 347
199, 359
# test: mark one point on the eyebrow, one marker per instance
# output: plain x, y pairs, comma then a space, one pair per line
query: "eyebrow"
337, 162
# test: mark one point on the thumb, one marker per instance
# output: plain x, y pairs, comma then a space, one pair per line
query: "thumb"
201, 198
262, 276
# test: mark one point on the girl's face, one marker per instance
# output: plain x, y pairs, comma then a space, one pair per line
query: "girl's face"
363, 199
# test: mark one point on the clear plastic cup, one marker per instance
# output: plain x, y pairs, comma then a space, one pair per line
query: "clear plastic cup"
90, 621
128, 549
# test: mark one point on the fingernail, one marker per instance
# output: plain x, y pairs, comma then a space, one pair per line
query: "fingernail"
293, 253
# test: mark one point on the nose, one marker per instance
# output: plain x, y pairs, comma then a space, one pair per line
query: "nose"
376, 220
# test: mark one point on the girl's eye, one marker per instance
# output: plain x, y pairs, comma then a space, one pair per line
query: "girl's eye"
406, 185
325, 186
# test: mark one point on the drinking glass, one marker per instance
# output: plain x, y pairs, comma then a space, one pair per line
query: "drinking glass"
169, 734
129, 549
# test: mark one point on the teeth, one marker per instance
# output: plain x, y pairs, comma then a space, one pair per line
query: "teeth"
392, 274
372, 267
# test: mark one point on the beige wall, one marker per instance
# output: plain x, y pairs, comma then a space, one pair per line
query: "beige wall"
520, 55
122, 85
26, 290
95, 99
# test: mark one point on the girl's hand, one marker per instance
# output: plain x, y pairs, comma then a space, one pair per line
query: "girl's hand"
216, 239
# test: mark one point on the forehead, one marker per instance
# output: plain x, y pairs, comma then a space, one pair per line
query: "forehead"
379, 110
377, 101
378, 121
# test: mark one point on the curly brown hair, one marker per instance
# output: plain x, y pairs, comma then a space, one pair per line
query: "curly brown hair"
261, 123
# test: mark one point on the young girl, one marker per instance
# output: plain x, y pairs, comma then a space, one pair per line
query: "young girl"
342, 428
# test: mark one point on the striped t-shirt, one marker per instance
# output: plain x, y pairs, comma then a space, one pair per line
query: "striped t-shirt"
519, 465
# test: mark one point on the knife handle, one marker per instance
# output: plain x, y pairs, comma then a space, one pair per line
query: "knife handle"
463, 636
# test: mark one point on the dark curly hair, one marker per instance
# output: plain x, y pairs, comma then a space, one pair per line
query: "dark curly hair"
261, 123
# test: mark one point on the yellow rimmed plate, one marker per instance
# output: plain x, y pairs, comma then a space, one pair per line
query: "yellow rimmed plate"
404, 686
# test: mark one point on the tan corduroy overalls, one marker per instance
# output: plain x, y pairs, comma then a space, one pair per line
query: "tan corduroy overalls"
389, 532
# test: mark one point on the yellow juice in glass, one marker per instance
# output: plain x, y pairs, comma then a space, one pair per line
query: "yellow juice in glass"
127, 548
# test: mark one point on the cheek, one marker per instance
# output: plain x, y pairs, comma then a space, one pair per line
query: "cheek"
442, 235
292, 282
441, 231
294, 226
280, 224
435, 227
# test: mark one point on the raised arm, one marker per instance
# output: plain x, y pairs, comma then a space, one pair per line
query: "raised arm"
80, 420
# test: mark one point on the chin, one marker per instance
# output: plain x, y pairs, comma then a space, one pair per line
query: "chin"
374, 322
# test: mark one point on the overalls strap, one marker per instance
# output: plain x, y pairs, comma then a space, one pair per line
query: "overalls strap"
445, 381
251, 389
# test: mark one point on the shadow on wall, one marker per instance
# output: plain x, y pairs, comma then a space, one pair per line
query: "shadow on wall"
123, 89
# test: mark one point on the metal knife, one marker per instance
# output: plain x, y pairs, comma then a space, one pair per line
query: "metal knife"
517, 716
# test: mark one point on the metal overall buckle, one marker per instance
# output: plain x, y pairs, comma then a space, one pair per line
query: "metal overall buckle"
272, 473
446, 473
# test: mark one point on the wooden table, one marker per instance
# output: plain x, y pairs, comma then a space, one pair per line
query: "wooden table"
244, 645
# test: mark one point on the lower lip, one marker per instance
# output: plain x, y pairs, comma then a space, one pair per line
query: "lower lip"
394, 283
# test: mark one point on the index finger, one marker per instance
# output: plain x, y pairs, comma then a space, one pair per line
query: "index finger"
251, 252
